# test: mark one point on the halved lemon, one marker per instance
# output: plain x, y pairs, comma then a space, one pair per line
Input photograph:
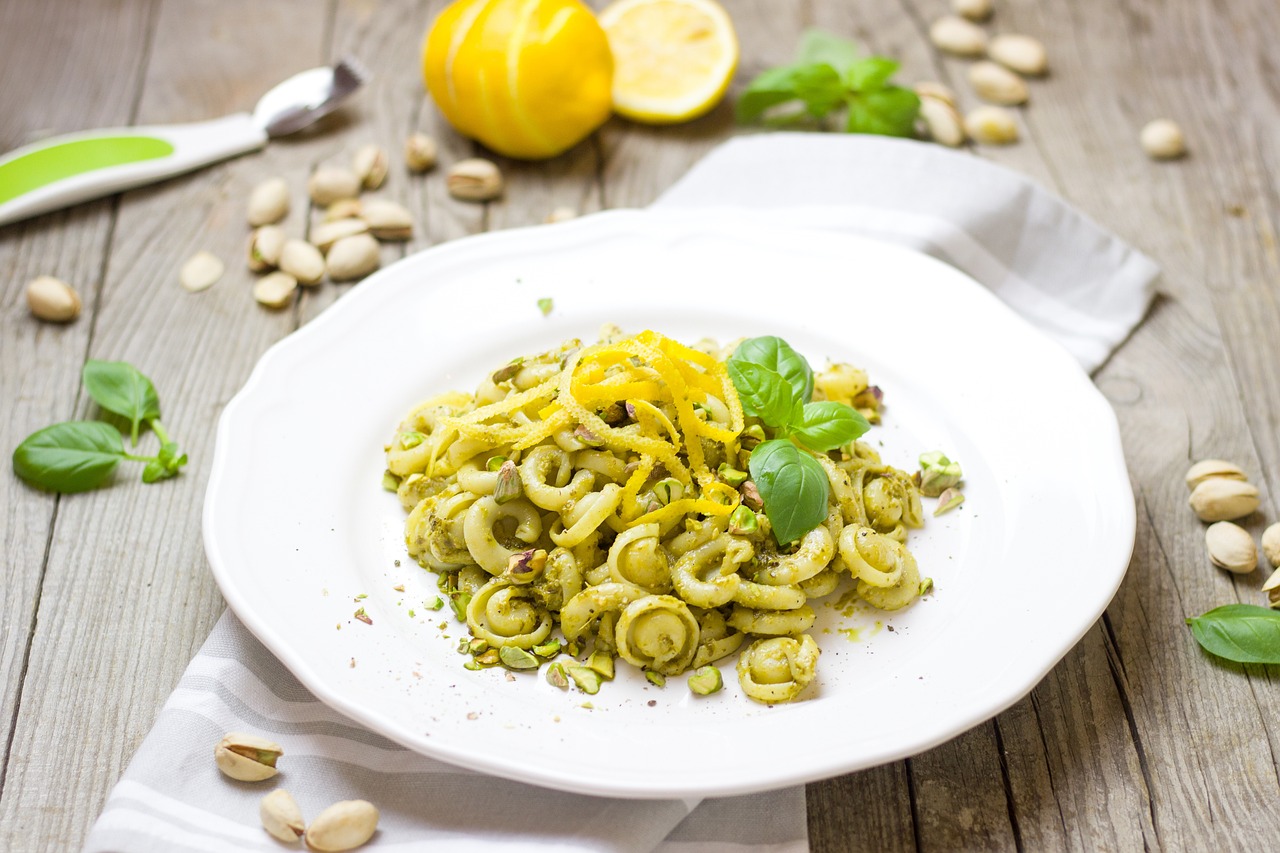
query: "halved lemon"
672, 59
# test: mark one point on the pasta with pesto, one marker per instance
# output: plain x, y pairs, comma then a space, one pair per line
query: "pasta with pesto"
595, 501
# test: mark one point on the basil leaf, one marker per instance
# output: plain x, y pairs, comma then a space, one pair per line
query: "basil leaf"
888, 112
119, 387
777, 355
818, 86
1244, 633
827, 425
793, 486
817, 47
764, 393
870, 74
70, 457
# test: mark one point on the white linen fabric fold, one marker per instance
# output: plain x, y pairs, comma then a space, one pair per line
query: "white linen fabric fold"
1069, 277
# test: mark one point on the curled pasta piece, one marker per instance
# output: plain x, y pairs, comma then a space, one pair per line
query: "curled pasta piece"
772, 623
607, 465
708, 575
777, 669
546, 491
823, 583
587, 606
416, 439
905, 591
477, 480
481, 539
715, 638
760, 596
560, 581
636, 556
506, 614
441, 528
587, 514
657, 632
812, 555
871, 557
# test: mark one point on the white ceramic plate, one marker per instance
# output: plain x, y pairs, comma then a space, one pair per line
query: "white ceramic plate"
297, 524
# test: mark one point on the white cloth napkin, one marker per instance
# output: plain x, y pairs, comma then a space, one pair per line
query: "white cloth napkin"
1079, 284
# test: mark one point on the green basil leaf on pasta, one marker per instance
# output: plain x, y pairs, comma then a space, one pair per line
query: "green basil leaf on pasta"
1244, 633
69, 457
827, 425
777, 355
793, 487
120, 388
764, 393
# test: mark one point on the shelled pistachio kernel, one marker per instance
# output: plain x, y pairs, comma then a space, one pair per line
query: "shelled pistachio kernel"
957, 36
247, 757
1207, 469
265, 244
474, 179
370, 165
275, 290
281, 816
332, 183
1220, 499
991, 126
52, 300
1023, 54
201, 271
268, 202
705, 681
1271, 545
343, 826
303, 261
353, 257
1162, 139
997, 84
420, 152
1231, 547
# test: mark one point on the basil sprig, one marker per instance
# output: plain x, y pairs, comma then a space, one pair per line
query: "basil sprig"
1244, 633
77, 456
775, 384
827, 76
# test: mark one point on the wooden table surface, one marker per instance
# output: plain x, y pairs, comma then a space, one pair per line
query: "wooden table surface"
1136, 740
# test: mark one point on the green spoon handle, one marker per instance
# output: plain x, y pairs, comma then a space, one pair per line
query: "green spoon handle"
66, 170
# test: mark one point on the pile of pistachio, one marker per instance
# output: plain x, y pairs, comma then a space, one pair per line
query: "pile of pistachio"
342, 826
1004, 61
1220, 494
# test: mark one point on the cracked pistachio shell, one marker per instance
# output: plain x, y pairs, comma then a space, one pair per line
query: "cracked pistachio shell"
344, 825
937, 91
275, 290
1162, 139
281, 816
247, 757
974, 10
997, 84
1206, 469
420, 152
303, 261
955, 35
52, 300
332, 183
370, 165
1219, 499
1271, 545
942, 122
1231, 547
347, 208
201, 271
268, 202
265, 245
353, 257
474, 179
1020, 53
324, 235
387, 220
991, 126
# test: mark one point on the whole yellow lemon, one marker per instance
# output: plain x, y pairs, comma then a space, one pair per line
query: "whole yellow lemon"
528, 78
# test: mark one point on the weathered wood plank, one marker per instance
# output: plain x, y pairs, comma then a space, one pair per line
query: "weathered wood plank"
40, 363
127, 596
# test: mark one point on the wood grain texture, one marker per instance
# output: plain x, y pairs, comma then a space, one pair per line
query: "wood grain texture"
1135, 740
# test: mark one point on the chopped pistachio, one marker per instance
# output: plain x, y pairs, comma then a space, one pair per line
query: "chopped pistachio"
731, 475
437, 604
489, 658
508, 487
949, 500
459, 601
588, 680
517, 658
556, 676
472, 665
363, 617
602, 663
937, 473
706, 681
390, 481
545, 305
587, 437
751, 495
494, 463
657, 679
476, 645
668, 490
549, 649
743, 521
926, 585
752, 435
411, 439
507, 371
526, 566
462, 646
362, 596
